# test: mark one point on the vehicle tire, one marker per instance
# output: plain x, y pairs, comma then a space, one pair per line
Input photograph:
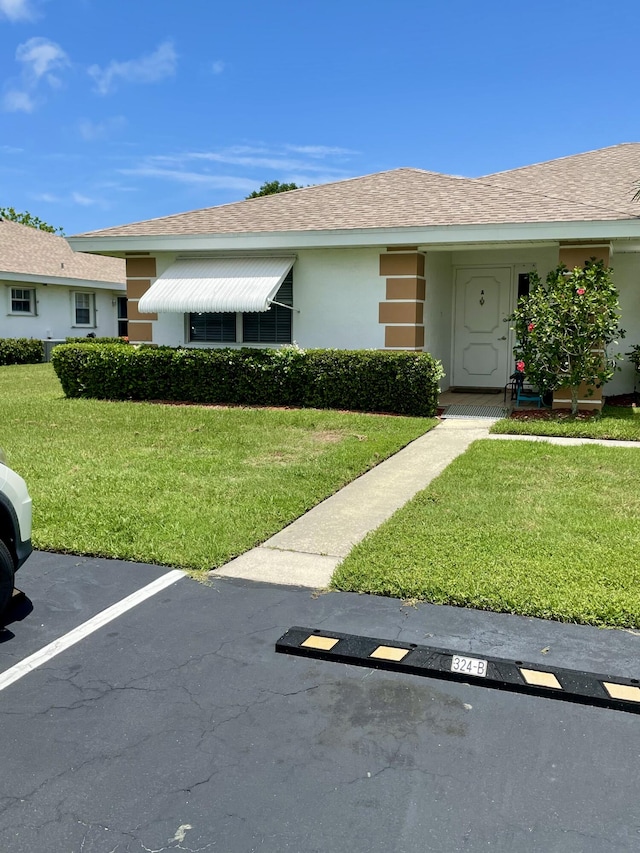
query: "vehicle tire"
6, 577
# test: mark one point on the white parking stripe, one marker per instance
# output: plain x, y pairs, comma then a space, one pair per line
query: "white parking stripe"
103, 618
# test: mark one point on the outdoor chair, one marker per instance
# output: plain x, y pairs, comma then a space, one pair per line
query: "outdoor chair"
512, 385
522, 394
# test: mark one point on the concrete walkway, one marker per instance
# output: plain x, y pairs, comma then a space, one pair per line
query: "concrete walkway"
568, 442
306, 552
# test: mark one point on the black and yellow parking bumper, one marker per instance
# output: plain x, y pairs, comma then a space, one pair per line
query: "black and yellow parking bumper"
570, 685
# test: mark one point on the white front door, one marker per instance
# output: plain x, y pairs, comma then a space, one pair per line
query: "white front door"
482, 356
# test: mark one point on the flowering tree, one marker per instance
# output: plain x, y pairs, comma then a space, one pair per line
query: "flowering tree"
563, 329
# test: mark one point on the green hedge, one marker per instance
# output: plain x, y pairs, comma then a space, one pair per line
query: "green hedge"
86, 340
362, 380
21, 351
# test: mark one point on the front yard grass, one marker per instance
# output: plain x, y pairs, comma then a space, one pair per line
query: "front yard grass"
614, 422
518, 527
184, 486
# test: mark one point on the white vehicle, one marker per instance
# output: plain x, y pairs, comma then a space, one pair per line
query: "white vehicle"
15, 528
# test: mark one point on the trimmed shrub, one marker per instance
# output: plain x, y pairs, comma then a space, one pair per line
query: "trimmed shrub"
21, 351
87, 340
404, 383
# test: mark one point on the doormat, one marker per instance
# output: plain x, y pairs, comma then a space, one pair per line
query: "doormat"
475, 412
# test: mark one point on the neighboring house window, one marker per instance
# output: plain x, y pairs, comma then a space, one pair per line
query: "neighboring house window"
123, 325
212, 328
272, 326
84, 309
23, 300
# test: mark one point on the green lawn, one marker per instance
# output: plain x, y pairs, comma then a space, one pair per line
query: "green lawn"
177, 485
613, 423
518, 527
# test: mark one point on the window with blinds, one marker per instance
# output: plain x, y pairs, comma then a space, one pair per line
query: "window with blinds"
259, 327
272, 326
213, 328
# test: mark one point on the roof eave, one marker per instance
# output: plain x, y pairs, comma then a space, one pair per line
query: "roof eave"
7, 275
440, 235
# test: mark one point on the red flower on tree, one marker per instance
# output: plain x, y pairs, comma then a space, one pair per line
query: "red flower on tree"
565, 349
531, 327
520, 366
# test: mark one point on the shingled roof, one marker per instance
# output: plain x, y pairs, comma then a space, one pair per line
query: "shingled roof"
29, 251
588, 187
607, 177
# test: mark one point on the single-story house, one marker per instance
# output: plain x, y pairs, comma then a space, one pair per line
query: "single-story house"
51, 292
405, 259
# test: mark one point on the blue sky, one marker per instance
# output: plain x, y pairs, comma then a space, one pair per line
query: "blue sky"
117, 110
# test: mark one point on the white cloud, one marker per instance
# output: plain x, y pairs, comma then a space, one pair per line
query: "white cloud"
84, 200
47, 197
217, 67
231, 156
257, 162
247, 149
15, 101
319, 150
40, 57
117, 187
250, 165
69, 198
148, 69
303, 179
219, 182
90, 130
17, 10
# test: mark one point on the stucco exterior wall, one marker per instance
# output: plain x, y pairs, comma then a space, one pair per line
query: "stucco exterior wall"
336, 292
626, 277
168, 329
545, 258
54, 318
437, 310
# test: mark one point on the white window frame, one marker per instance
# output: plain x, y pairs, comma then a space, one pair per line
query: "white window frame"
74, 309
32, 301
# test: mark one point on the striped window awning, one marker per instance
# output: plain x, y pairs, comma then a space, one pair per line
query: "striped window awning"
212, 285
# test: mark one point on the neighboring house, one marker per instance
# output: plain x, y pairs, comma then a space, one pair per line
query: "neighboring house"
51, 292
402, 260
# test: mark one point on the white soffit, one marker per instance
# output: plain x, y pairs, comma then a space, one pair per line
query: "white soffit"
210, 285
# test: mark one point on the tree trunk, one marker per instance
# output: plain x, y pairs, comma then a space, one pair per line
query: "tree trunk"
574, 399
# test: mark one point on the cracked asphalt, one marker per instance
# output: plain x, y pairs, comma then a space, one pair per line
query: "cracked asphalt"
177, 727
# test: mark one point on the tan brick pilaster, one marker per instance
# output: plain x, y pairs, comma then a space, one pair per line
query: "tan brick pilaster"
575, 255
141, 271
402, 314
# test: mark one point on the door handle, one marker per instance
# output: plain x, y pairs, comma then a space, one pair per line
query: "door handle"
503, 338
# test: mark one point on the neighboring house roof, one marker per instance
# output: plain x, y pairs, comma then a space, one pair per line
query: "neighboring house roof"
26, 251
589, 187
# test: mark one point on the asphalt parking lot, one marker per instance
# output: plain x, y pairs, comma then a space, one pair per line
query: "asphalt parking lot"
176, 727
